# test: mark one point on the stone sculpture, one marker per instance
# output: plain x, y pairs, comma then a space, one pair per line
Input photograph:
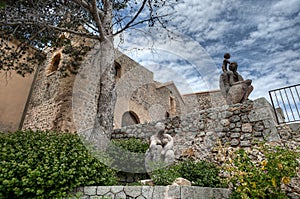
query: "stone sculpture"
233, 87
160, 151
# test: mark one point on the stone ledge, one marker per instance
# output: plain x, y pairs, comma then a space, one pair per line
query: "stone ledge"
153, 192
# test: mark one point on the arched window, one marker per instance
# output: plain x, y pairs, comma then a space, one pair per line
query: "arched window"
167, 115
54, 63
117, 70
172, 105
130, 118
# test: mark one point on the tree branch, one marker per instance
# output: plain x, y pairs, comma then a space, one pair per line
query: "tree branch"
139, 22
133, 18
94, 10
26, 22
86, 5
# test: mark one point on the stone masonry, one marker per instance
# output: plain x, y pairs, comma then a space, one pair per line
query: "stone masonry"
153, 192
239, 125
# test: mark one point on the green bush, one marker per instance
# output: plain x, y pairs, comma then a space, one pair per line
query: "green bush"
128, 155
200, 173
47, 165
262, 179
166, 176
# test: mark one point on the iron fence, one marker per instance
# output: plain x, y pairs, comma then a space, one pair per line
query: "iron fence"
286, 103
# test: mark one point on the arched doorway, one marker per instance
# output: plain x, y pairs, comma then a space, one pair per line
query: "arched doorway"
130, 118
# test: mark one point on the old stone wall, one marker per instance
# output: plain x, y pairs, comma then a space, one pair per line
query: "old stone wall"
153, 192
51, 101
138, 93
290, 134
239, 125
203, 100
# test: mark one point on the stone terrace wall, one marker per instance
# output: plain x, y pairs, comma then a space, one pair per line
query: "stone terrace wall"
203, 100
153, 192
238, 125
290, 134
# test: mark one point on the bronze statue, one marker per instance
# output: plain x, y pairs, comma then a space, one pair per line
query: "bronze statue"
233, 87
225, 61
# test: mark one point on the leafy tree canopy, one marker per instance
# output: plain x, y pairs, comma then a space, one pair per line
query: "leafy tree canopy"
40, 24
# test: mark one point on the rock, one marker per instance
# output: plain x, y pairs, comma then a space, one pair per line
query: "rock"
247, 128
181, 182
148, 182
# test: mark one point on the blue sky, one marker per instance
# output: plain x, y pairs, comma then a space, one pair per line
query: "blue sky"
262, 36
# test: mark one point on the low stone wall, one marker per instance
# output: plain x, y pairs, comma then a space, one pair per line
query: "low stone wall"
290, 134
239, 125
153, 192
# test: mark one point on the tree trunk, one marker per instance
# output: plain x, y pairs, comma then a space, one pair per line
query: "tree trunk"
107, 94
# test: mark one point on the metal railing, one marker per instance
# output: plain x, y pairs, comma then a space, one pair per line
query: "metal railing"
286, 103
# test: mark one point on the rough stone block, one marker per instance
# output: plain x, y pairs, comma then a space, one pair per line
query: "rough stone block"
102, 190
109, 195
245, 118
258, 126
246, 143
120, 195
271, 134
147, 191
235, 118
196, 193
247, 128
159, 192
116, 189
225, 122
234, 142
294, 127
232, 126
133, 191
257, 134
235, 135
246, 136
219, 193
173, 192
236, 130
90, 190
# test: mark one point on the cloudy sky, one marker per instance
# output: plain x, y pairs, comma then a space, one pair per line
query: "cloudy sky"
262, 36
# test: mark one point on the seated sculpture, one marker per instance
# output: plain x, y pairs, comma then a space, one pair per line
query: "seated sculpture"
161, 148
233, 87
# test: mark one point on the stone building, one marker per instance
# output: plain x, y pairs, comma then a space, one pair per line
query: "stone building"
140, 99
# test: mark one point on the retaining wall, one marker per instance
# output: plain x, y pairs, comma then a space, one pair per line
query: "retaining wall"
153, 192
239, 125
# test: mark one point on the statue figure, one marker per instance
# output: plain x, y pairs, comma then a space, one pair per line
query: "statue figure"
161, 148
224, 78
233, 87
225, 62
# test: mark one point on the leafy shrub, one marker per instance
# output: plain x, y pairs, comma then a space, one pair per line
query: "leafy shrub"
128, 155
47, 165
200, 173
262, 179
166, 176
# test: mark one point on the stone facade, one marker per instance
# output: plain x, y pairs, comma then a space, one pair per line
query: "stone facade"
50, 104
203, 100
239, 125
140, 95
153, 192
69, 103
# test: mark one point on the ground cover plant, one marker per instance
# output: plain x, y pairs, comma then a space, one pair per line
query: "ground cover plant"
47, 165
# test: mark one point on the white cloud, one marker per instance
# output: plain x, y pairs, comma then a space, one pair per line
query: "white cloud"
262, 36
